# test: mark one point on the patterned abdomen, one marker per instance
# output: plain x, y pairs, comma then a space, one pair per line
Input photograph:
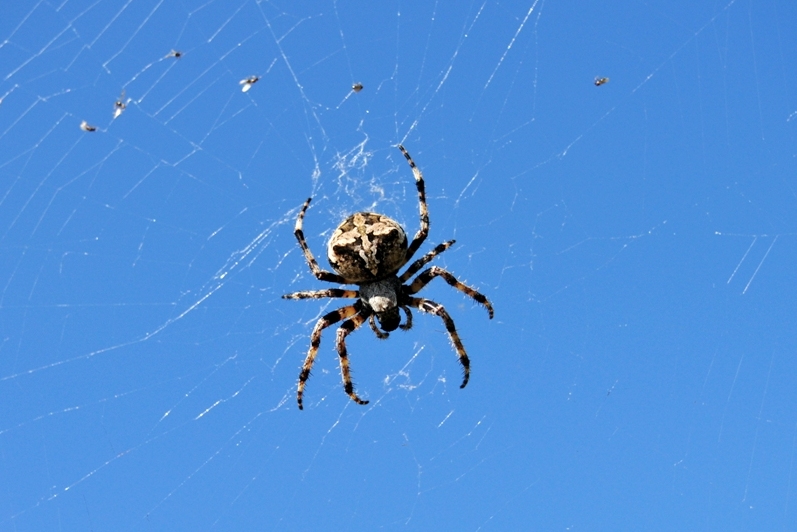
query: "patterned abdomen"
367, 247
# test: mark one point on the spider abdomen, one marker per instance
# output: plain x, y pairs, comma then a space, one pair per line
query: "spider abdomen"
367, 247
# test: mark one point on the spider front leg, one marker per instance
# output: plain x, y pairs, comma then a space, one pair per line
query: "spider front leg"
321, 275
424, 279
344, 330
315, 341
431, 307
422, 233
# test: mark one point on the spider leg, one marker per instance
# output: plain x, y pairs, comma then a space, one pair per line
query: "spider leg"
424, 278
315, 340
431, 307
379, 334
344, 330
407, 325
322, 275
318, 294
420, 236
420, 263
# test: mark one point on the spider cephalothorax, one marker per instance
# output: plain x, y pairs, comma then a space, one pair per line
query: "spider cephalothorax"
368, 250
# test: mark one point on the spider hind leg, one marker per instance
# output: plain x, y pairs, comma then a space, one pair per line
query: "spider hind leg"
320, 294
298, 231
423, 231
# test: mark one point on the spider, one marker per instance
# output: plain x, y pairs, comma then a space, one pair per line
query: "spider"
368, 249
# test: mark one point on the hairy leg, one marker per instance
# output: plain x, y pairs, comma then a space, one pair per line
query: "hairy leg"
319, 294
315, 341
344, 330
322, 275
424, 279
422, 233
420, 263
431, 307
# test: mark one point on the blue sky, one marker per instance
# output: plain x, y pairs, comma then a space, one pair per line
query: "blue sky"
637, 240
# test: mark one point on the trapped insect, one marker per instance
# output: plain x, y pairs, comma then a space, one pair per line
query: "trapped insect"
119, 105
600, 81
85, 126
368, 249
248, 82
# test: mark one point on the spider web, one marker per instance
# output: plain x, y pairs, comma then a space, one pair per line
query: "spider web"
636, 238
